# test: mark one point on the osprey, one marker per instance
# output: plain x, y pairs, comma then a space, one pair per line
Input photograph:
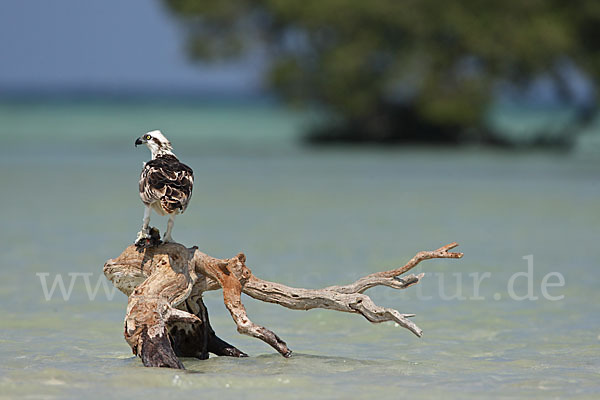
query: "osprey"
165, 184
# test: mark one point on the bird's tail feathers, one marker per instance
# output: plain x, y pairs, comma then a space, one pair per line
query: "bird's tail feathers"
170, 204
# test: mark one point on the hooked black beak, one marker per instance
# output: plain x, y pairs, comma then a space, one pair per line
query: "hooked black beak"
138, 141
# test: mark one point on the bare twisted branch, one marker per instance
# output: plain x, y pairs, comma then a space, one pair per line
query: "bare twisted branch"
164, 277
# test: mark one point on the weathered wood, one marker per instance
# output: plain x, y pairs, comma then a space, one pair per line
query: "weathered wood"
197, 340
166, 317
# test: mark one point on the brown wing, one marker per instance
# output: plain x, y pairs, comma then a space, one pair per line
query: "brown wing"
167, 181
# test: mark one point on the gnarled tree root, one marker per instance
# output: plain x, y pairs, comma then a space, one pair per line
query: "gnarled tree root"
167, 319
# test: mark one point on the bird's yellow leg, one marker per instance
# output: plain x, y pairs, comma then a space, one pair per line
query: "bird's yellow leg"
145, 232
168, 238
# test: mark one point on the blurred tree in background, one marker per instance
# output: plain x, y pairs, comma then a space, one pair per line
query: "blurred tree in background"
406, 70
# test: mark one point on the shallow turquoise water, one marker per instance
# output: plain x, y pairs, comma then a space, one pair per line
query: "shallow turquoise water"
307, 218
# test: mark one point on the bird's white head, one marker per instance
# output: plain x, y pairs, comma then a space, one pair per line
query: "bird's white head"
157, 143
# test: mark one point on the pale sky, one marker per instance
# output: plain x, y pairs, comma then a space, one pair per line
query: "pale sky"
106, 45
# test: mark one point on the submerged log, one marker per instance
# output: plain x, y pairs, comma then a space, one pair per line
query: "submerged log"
166, 317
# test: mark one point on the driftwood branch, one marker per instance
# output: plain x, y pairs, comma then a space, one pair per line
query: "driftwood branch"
166, 317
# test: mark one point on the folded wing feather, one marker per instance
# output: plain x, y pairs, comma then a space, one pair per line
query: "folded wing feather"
166, 184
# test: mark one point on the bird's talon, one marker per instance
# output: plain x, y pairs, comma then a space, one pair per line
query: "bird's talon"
148, 239
142, 235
